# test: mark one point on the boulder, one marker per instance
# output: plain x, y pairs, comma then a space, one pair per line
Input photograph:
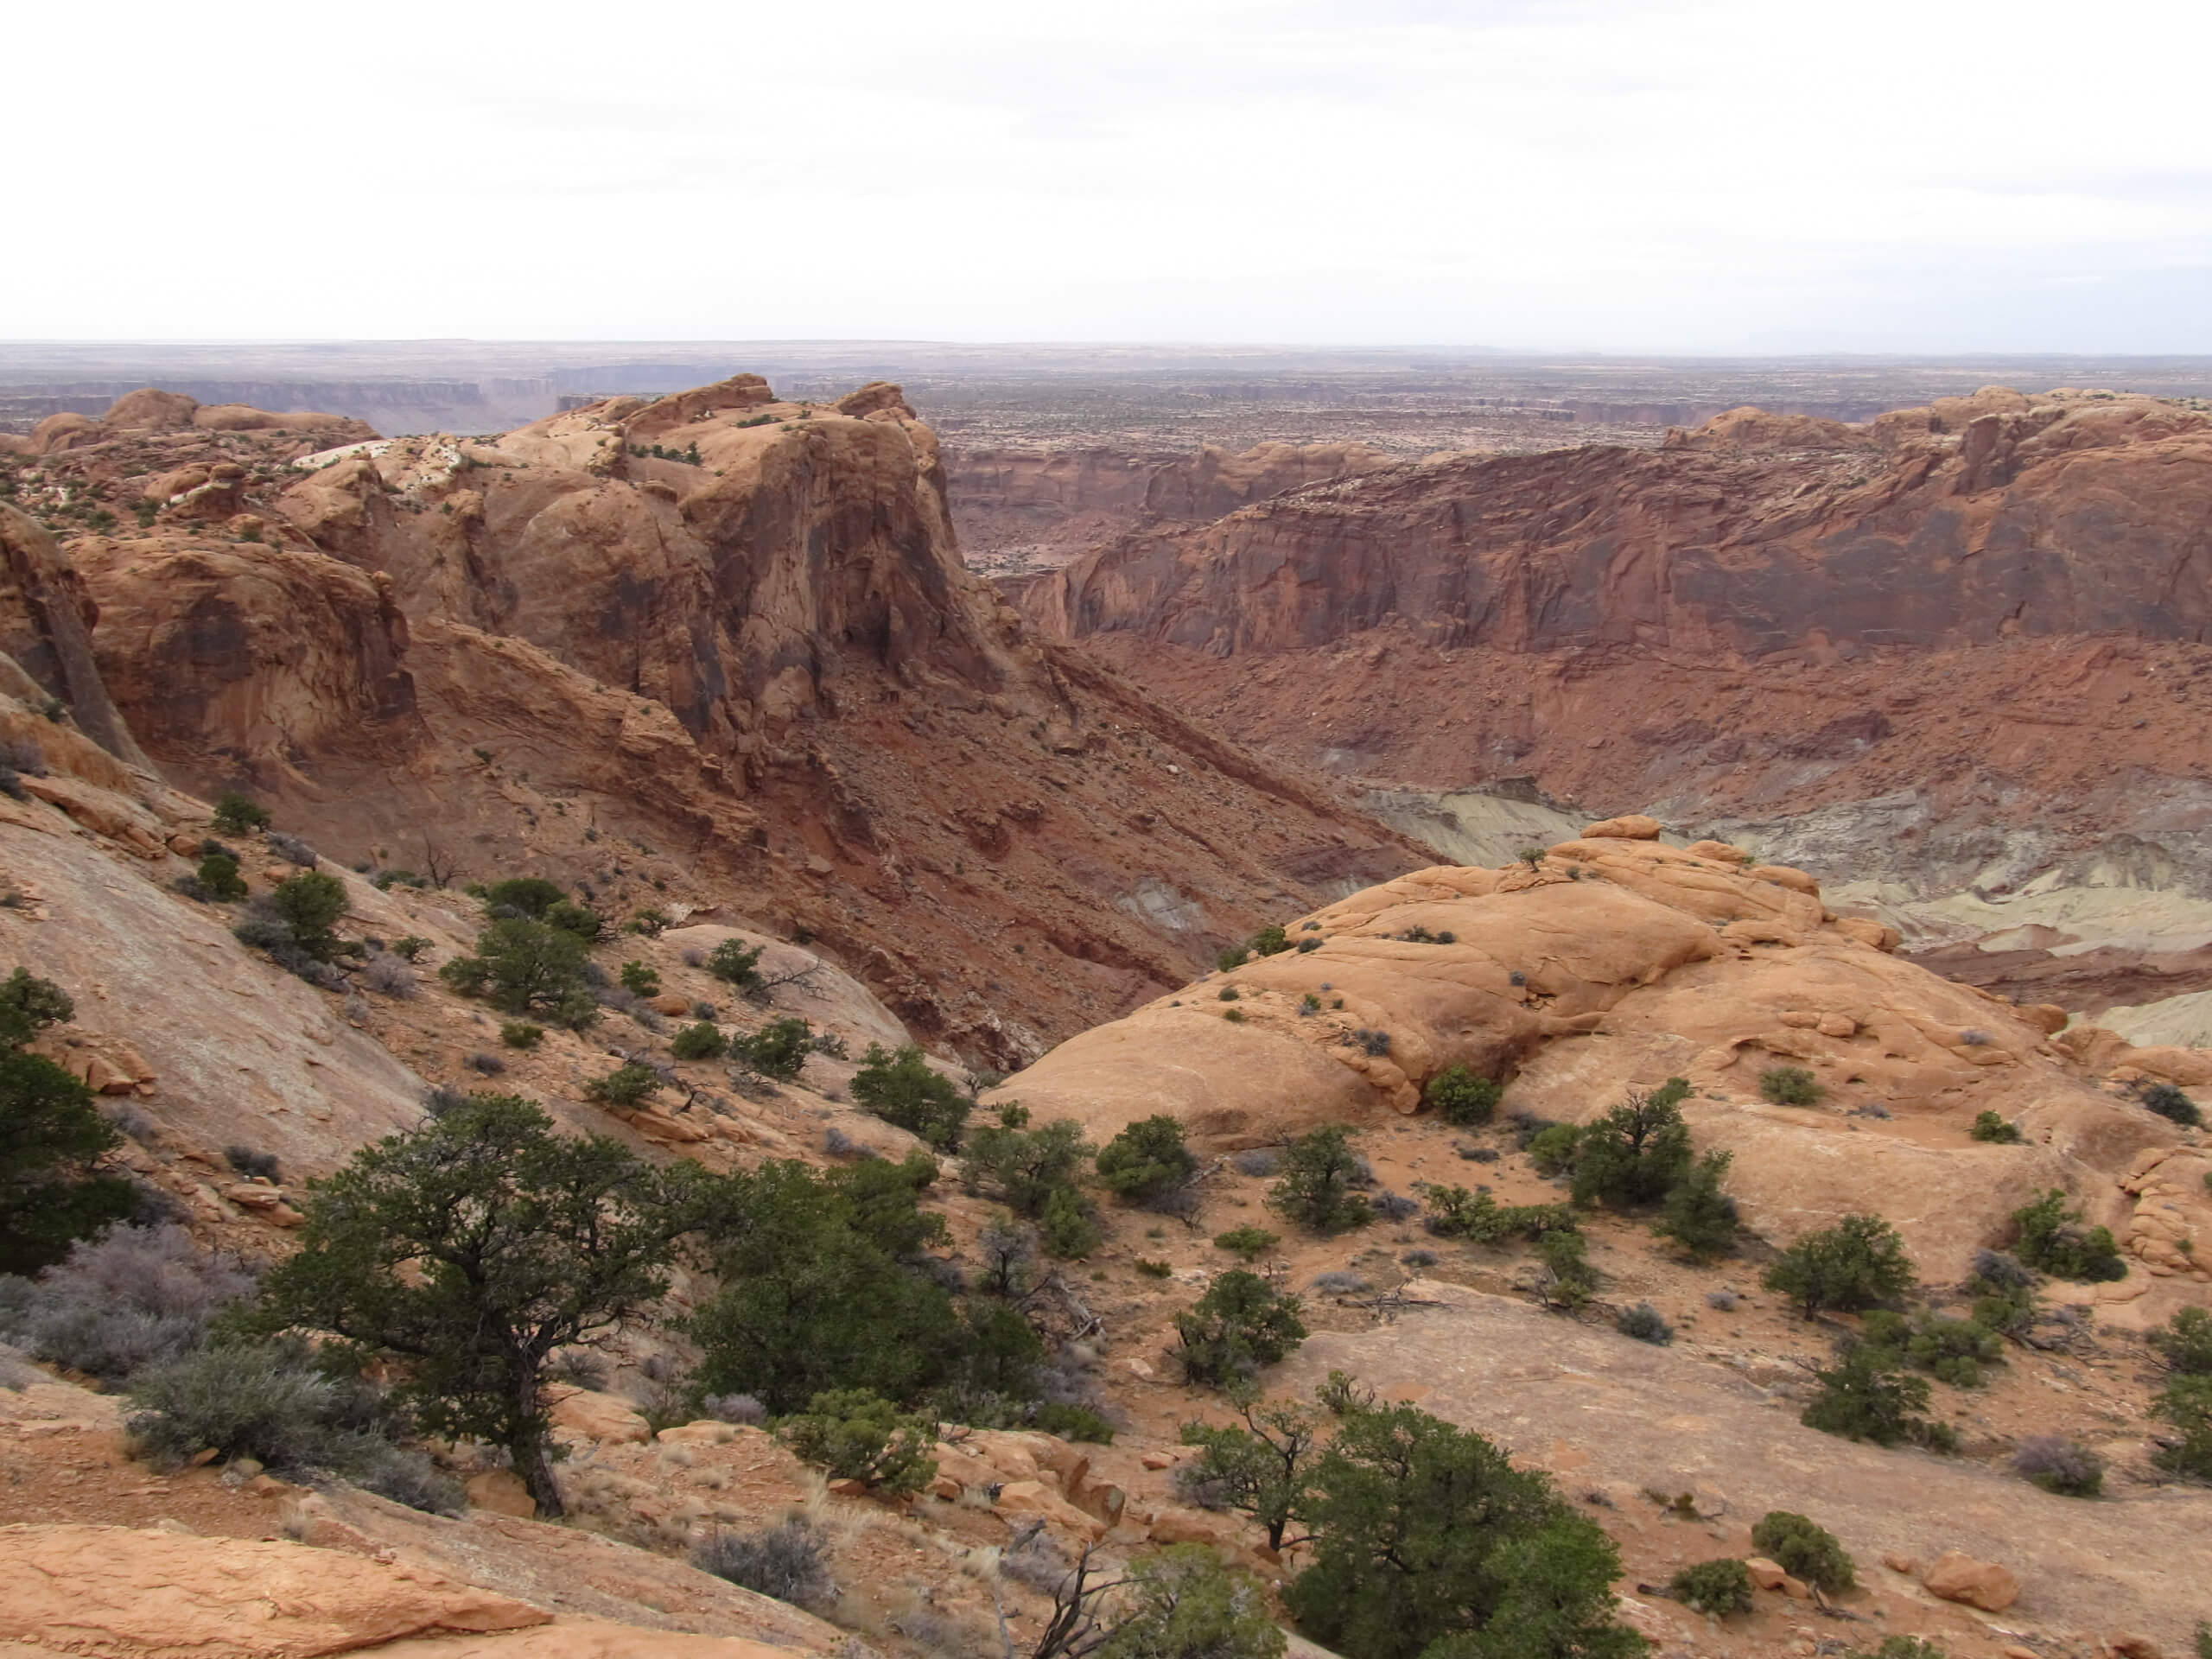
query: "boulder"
501, 1491
1957, 1576
581, 1414
1035, 1497
1634, 826
1719, 851
1784, 876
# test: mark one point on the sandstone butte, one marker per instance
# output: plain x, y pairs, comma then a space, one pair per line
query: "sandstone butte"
764, 683
767, 601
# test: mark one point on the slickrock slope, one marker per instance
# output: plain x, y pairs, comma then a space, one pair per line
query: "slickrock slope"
1032, 509
1618, 962
1956, 646
762, 680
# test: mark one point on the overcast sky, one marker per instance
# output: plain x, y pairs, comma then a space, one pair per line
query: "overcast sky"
1639, 175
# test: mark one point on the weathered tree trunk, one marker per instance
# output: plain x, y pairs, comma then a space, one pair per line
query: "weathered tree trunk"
532, 1457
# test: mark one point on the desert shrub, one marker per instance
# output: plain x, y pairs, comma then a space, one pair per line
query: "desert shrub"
1376, 1044
1955, 1351
219, 880
1145, 1159
520, 1033
778, 1050
484, 1064
263, 1400
1791, 1086
587, 924
1248, 1242
1454, 1212
1994, 1128
734, 962
1552, 1149
238, 815
2053, 1239
134, 1297
640, 980
1068, 1226
410, 947
1320, 1174
1857, 1262
2172, 1105
1645, 1324
1460, 1097
388, 976
1804, 1551
898, 1087
786, 1561
406, 1476
1418, 1260
1716, 1587
1901, 1647
526, 895
524, 967
292, 850
1864, 1397
1697, 1215
52, 1135
1427, 1540
1241, 1324
1024, 1166
309, 905
1181, 1603
2060, 1466
740, 1409
2186, 1403
1256, 1160
441, 1098
1393, 1206
1071, 1422
702, 1042
858, 1435
2185, 1342
625, 1086
247, 1161
1567, 1279
1638, 1151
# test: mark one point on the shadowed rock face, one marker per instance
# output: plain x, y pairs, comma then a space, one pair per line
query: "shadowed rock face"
761, 679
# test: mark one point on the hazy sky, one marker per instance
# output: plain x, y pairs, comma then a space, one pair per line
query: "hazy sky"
1631, 175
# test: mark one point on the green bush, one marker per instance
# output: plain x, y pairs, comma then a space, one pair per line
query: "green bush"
1804, 1551
1181, 1603
28, 1005
51, 1137
1145, 1159
623, 1087
1992, 1126
1241, 1324
1248, 1242
857, 1435
1955, 1351
1569, 1280
778, 1050
1791, 1086
220, 879
1697, 1215
2186, 1402
1071, 1422
1024, 1166
1858, 1261
529, 895
582, 920
1903, 1647
898, 1087
520, 1033
1460, 1097
640, 980
2186, 1342
1645, 1323
1320, 1172
2052, 1239
1864, 1397
1552, 1149
238, 815
1262, 1469
702, 1042
1428, 1543
311, 903
2063, 1466
525, 967
1636, 1152
408, 947
1716, 1587
735, 962
1269, 940
2171, 1104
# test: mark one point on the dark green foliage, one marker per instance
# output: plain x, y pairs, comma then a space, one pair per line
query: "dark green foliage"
1145, 1159
28, 1005
51, 1135
704, 1041
1791, 1086
526, 895
737, 964
520, 1033
2203, 1641
1954, 1351
582, 920
623, 1087
857, 1435
1454, 1212
2171, 1104
408, 947
640, 980
1569, 1280
1068, 1226
2052, 1239
1427, 1541
817, 1292
1181, 1603
237, 815
1263, 1470
1024, 1166
1638, 1151
900, 1087
1459, 1097
1249, 1241
1857, 1262
1804, 1551
2063, 1466
1071, 1422
311, 903
1992, 1126
1320, 1172
1241, 1324
2185, 1343
524, 967
2186, 1403
247, 1161
1864, 1397
1552, 1149
1645, 1324
1717, 1587
1232, 957
1270, 941
1902, 1647
218, 879
471, 1249
778, 1050
1697, 1215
